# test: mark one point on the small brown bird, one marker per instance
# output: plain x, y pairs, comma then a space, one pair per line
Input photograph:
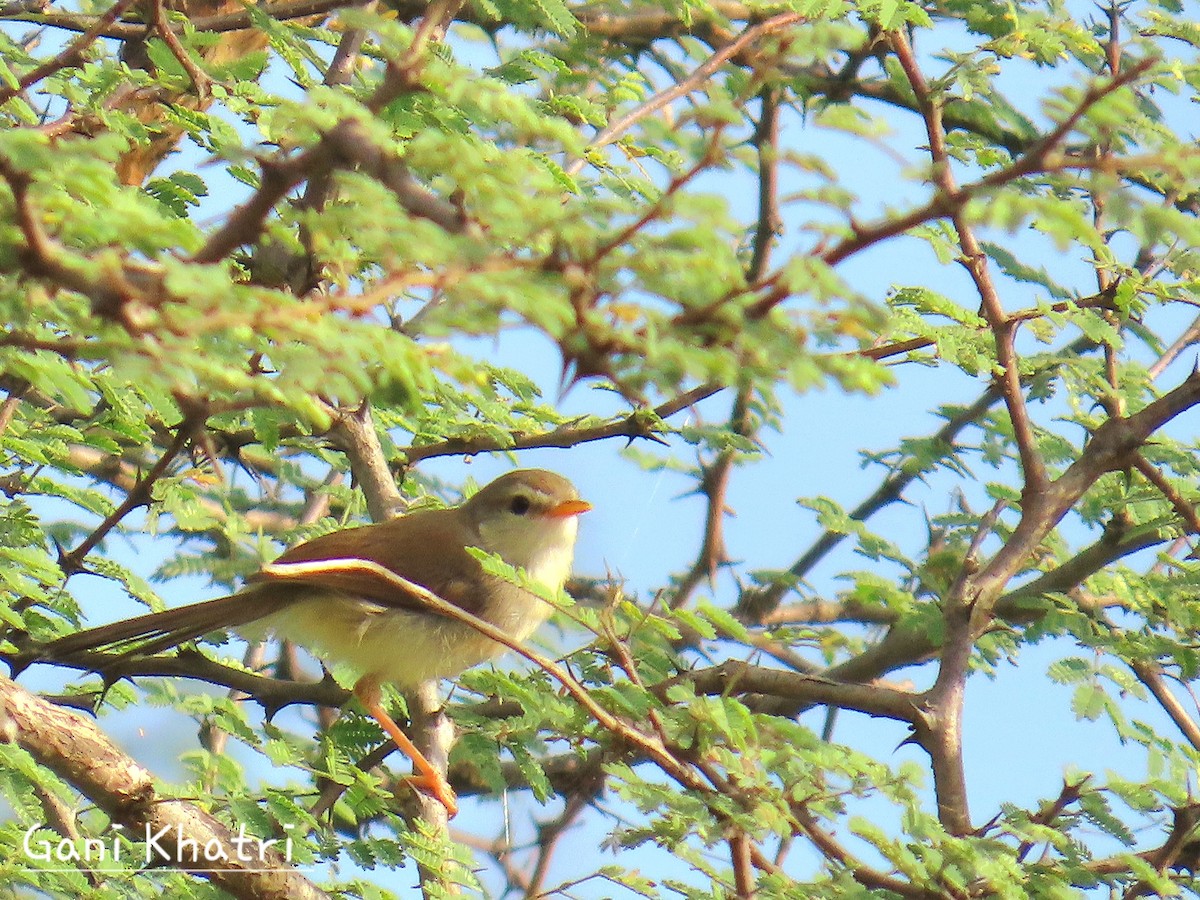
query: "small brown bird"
350, 615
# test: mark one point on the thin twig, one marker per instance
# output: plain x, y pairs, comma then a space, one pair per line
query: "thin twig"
200, 79
743, 871
138, 495
693, 81
1182, 506
833, 850
889, 491
125, 31
650, 747
1151, 675
637, 424
1189, 337
1048, 814
72, 55
282, 173
714, 484
975, 261
549, 835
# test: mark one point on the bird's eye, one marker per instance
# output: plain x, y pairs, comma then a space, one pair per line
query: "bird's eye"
519, 505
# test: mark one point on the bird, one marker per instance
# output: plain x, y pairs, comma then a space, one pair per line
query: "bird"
336, 602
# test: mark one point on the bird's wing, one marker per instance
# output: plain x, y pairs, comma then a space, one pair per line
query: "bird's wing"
428, 548
425, 547
401, 545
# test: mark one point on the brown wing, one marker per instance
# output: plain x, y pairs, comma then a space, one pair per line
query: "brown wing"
404, 545
424, 547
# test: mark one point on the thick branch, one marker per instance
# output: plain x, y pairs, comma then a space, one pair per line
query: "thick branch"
71, 746
736, 678
273, 694
1111, 447
371, 473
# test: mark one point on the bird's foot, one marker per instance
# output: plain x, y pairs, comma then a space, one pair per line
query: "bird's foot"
437, 788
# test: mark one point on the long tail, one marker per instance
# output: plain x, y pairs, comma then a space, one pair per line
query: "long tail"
153, 632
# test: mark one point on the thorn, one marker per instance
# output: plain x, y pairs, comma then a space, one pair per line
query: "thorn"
697, 491
648, 436
19, 662
108, 680
912, 739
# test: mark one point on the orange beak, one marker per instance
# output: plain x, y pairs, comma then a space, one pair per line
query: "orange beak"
569, 508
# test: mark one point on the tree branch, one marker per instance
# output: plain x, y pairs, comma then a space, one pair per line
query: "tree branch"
138, 495
71, 746
74, 54
693, 81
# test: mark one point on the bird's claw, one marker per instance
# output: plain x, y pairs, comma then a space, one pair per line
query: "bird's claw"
438, 789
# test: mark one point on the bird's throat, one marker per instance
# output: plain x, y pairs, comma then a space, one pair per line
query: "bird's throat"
545, 553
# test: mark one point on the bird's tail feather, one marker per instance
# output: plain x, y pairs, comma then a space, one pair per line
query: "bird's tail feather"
144, 635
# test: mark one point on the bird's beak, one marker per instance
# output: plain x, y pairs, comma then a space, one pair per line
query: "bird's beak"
568, 508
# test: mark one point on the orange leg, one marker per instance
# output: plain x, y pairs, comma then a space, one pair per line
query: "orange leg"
427, 778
